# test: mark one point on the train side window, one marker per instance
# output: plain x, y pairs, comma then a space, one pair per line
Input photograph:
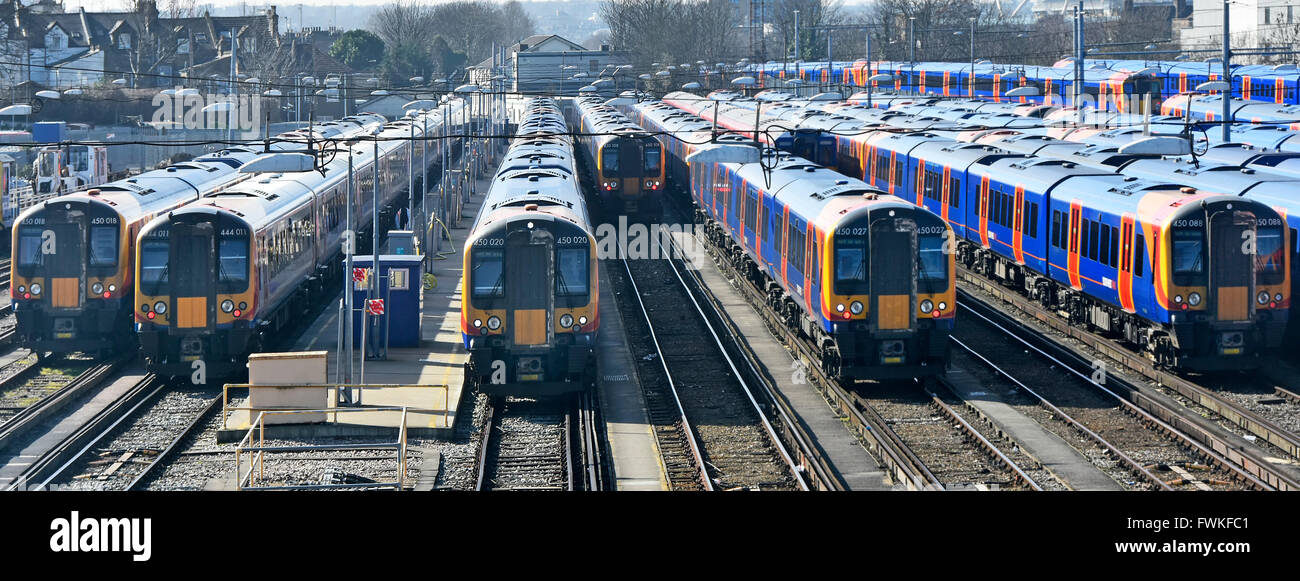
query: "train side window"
1092, 240
1114, 246
954, 193
1104, 254
1139, 251
1056, 228
1033, 219
1083, 238
816, 262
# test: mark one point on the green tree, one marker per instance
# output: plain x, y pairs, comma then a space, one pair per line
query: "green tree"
356, 48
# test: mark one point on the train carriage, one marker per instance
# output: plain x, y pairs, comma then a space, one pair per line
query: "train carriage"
530, 299
218, 277
625, 164
827, 251
73, 275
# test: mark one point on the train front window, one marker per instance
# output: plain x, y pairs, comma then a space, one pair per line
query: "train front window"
1188, 256
571, 273
153, 267
103, 246
932, 265
652, 160
609, 166
851, 265
487, 273
1269, 256
29, 247
232, 265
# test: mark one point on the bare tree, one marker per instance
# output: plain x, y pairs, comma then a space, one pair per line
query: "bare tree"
672, 31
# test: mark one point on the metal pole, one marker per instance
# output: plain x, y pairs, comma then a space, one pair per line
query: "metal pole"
347, 275
424, 170
410, 179
234, 91
830, 63
971, 77
911, 55
869, 83
372, 289
1227, 74
796, 41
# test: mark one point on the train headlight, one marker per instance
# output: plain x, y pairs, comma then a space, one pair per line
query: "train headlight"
227, 306
1194, 299
243, 305
856, 307
1262, 298
943, 306
1178, 298
494, 323
566, 320
22, 289
478, 323
1278, 297
582, 320
98, 288
112, 288
144, 308
160, 308
36, 288
927, 305
839, 308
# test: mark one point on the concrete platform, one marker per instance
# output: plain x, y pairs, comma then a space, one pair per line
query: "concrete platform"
851, 462
438, 361
1047, 448
633, 448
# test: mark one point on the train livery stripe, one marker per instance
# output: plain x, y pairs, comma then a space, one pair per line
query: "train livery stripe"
1018, 225
1076, 211
943, 206
920, 182
1279, 90
1126, 229
893, 165
983, 209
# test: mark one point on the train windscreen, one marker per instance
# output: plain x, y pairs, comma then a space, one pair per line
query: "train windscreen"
486, 273
1269, 256
103, 245
232, 264
29, 247
932, 262
153, 267
1188, 255
571, 275
851, 262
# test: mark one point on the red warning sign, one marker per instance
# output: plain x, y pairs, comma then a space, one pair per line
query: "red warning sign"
375, 306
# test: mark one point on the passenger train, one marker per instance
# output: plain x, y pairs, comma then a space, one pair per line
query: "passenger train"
625, 164
860, 273
222, 274
1148, 260
73, 272
530, 299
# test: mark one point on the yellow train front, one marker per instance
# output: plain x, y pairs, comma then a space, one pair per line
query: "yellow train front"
625, 163
529, 304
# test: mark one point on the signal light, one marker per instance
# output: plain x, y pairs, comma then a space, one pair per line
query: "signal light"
236, 313
27, 295
149, 314
108, 295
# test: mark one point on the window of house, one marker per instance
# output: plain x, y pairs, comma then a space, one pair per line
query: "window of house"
124, 41
182, 46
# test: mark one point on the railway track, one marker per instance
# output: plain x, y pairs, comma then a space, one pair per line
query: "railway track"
1191, 408
1116, 409
54, 460
32, 398
904, 468
734, 443
529, 445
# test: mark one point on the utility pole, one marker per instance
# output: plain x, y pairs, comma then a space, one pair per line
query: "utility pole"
911, 55
796, 40
1227, 74
869, 73
971, 77
830, 63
